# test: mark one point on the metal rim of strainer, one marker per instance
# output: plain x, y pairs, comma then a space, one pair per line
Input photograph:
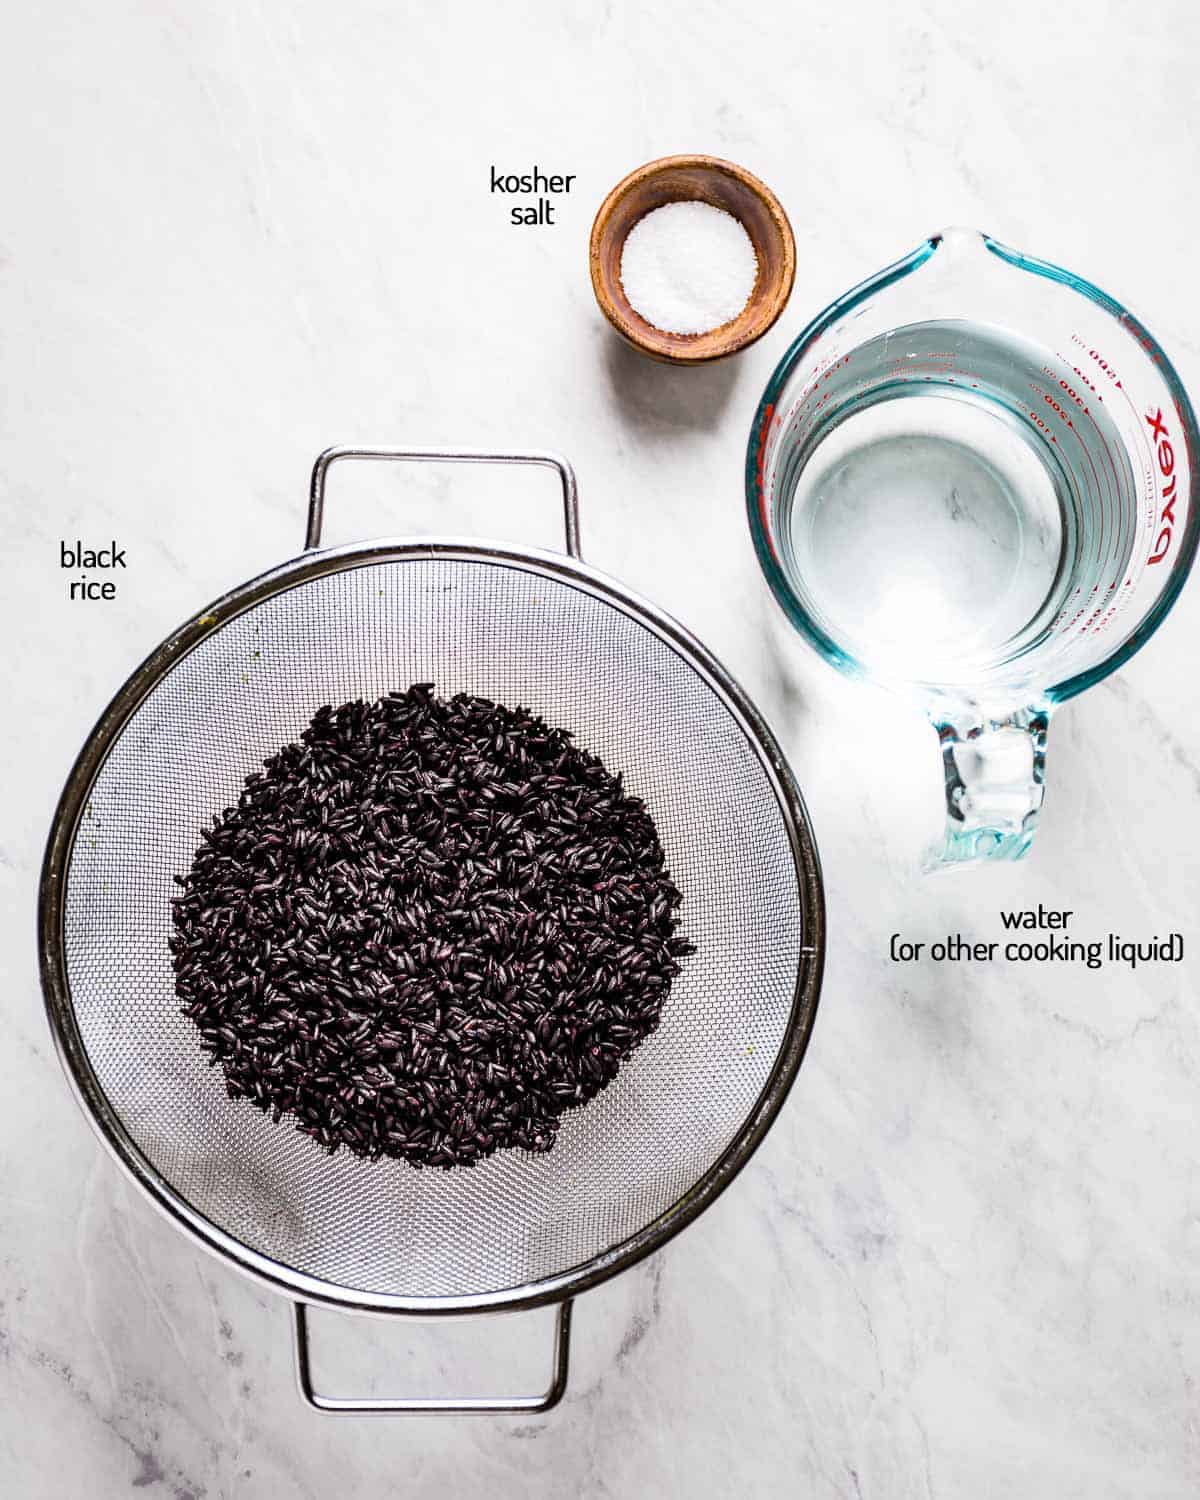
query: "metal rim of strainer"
316, 563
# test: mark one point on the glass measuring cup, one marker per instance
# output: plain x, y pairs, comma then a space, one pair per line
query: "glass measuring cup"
971, 479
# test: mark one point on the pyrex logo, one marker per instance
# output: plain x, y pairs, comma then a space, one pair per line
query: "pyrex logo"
1166, 467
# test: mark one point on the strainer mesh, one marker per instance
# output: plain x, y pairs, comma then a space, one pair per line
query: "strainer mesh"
497, 629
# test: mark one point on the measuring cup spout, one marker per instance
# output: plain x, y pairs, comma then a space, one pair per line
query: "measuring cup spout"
994, 771
958, 242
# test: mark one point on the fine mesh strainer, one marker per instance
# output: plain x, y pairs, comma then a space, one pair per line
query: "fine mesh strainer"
631, 1168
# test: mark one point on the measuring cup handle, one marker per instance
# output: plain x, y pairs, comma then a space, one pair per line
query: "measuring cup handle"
541, 459
994, 771
365, 1406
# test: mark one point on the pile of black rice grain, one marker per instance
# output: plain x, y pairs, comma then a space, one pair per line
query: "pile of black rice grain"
427, 930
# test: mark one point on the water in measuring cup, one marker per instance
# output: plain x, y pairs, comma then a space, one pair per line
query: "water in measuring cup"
932, 525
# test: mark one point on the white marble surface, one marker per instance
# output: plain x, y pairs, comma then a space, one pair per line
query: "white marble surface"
964, 1263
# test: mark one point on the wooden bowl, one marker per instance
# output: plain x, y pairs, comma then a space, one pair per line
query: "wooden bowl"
674, 179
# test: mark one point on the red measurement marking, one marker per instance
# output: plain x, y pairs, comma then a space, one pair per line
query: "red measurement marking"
1086, 381
1084, 448
1065, 385
1043, 425
1142, 336
760, 461
1048, 397
1101, 362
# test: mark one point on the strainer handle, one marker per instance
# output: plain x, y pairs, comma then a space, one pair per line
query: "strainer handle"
445, 1405
542, 459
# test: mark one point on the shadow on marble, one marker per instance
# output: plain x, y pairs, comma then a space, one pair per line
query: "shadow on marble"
654, 398
789, 700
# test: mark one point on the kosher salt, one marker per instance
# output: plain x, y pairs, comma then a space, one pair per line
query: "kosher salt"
688, 267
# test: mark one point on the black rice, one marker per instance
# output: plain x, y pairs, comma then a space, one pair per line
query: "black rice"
427, 930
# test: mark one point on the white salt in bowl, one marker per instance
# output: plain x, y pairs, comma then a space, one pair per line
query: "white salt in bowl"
703, 179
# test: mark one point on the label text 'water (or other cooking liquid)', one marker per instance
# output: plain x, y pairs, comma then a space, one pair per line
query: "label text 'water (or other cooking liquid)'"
1051, 946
